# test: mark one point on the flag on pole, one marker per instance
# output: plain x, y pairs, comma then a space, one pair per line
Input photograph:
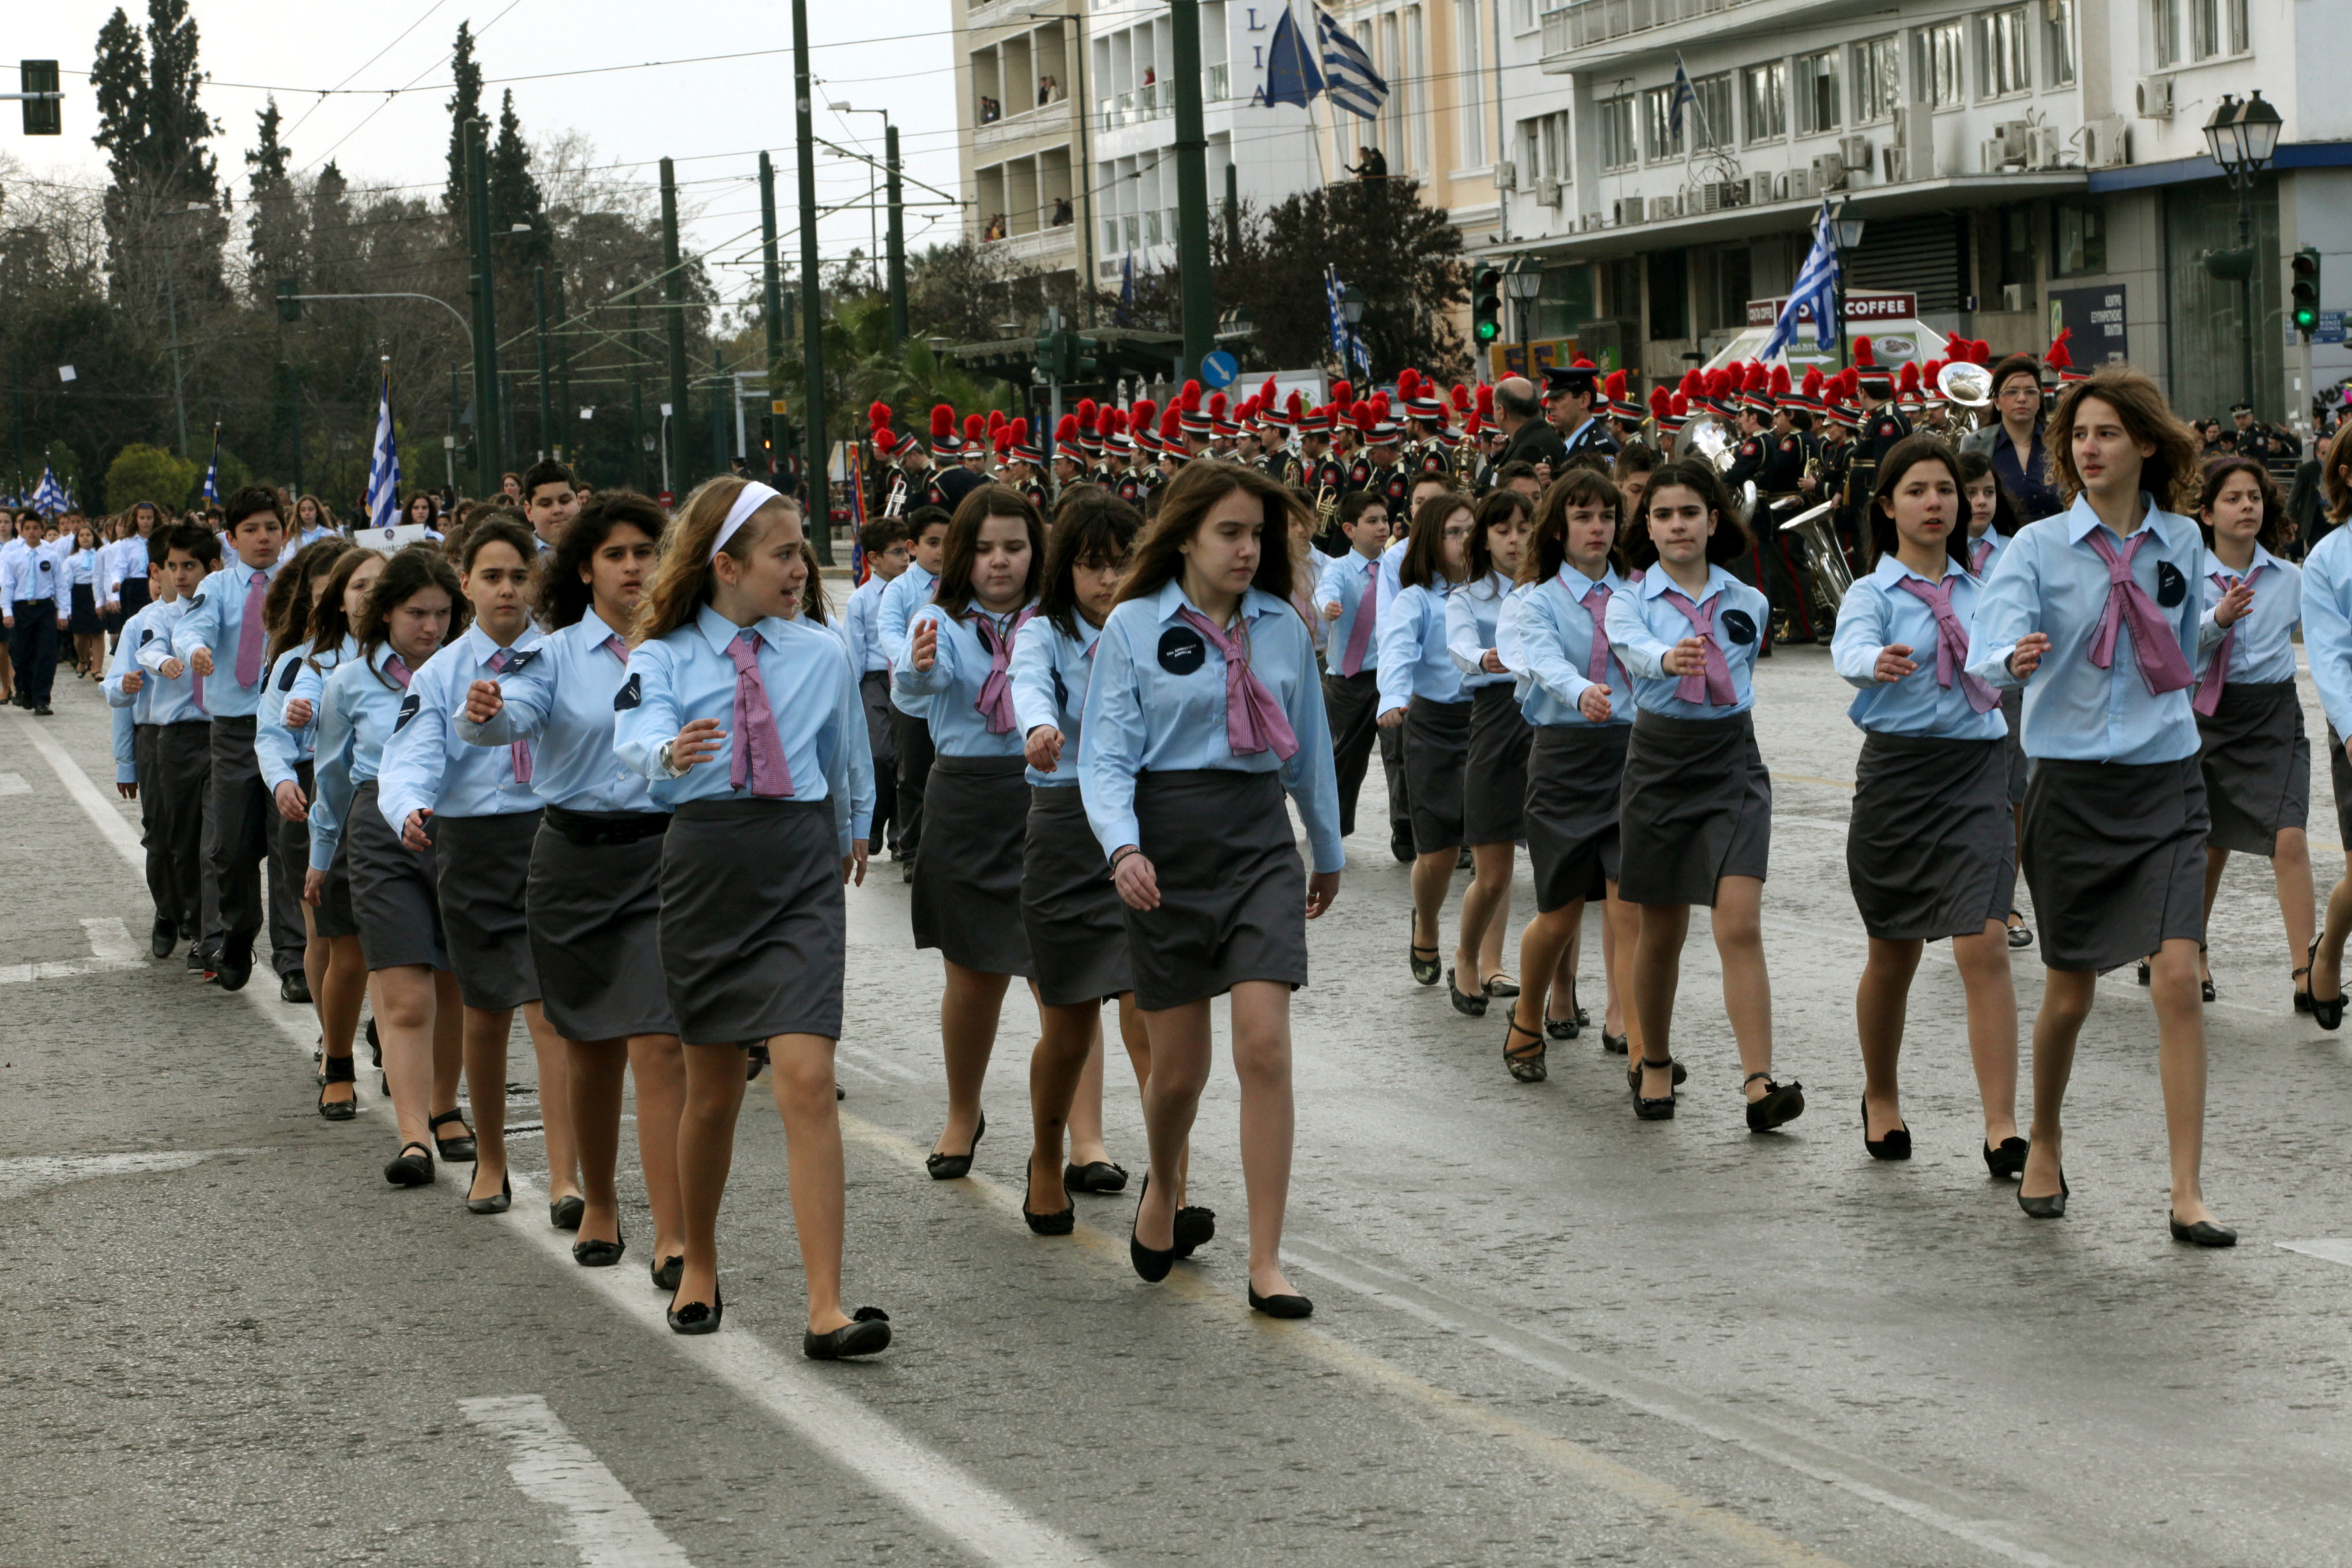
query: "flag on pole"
49, 496
210, 490
1349, 79
384, 467
1816, 288
1683, 93
1291, 74
1124, 314
1345, 343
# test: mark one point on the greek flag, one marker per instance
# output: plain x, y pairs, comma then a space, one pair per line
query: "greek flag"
1683, 93
1816, 288
211, 489
384, 467
1349, 79
1343, 341
49, 496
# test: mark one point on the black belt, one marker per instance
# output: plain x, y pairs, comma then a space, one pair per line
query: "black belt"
594, 827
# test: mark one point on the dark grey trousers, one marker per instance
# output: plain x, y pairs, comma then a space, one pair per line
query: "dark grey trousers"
239, 826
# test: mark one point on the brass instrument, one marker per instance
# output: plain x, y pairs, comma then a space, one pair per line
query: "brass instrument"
894, 502
1833, 575
1964, 384
1714, 444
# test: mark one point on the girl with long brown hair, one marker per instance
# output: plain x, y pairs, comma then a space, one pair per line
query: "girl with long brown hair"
1495, 764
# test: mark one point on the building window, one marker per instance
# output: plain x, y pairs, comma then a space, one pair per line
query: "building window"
1817, 93
2219, 28
1669, 289
1764, 101
2061, 23
1663, 132
2003, 52
1613, 118
1523, 15
1415, 88
1713, 102
1877, 80
1939, 65
1543, 148
2164, 26
2078, 238
1467, 58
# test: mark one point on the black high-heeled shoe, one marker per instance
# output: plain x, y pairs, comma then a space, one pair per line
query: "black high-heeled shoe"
1895, 1145
1151, 1263
1469, 1003
868, 1330
1280, 1306
2051, 1207
2007, 1161
1561, 1028
2020, 934
1424, 969
949, 1167
497, 1203
1061, 1222
1780, 1103
339, 1069
667, 1272
1525, 1065
2204, 1232
695, 1318
407, 1170
453, 1150
600, 1254
2327, 1012
1659, 1110
1616, 1045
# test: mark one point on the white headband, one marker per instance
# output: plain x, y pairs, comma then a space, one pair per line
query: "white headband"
751, 499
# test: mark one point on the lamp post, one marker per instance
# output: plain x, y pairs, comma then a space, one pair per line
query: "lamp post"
1845, 234
1522, 284
1351, 310
2242, 137
171, 304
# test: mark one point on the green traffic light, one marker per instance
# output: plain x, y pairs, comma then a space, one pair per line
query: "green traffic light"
1488, 332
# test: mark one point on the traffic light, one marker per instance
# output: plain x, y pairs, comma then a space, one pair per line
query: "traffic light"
290, 308
2304, 294
1487, 305
1082, 356
43, 115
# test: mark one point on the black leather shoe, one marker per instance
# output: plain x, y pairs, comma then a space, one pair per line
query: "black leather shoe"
950, 1167
1195, 1228
1633, 1074
453, 1149
600, 1254
1499, 985
2007, 1162
668, 1272
1562, 1028
1781, 1102
339, 1069
2020, 934
235, 966
497, 1203
868, 1330
1281, 1306
755, 1061
1424, 969
2327, 1012
1647, 1110
1895, 1145
695, 1318
564, 1213
2051, 1207
294, 987
1524, 1063
1061, 1222
163, 938
407, 1170
1150, 1262
1096, 1176
2204, 1232
1469, 1003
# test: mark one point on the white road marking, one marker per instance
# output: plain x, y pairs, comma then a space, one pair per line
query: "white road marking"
2333, 1251
110, 948
604, 1523
31, 1173
13, 783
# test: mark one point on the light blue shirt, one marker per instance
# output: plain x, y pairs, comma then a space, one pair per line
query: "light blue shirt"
2327, 624
2000, 542
357, 711
1392, 580
2051, 581
1051, 672
121, 717
1343, 582
947, 695
278, 748
216, 619
811, 692
861, 627
35, 571
909, 591
561, 700
1471, 614
1643, 629
148, 635
118, 563
1140, 716
427, 767
1544, 632
1877, 614
2263, 649
1414, 660
82, 570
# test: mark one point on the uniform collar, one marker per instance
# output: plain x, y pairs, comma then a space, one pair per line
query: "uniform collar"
594, 629
2081, 519
2261, 558
1576, 584
1655, 582
1255, 602
1891, 570
718, 631
481, 648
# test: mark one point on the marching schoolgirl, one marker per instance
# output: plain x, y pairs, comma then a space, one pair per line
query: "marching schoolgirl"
1930, 849
1421, 694
1495, 766
82, 620
1348, 597
2253, 753
1576, 695
170, 737
409, 614
593, 895
2328, 643
1394, 772
313, 523
967, 898
910, 737
1204, 708
2094, 612
284, 758
125, 580
748, 723
474, 808
1694, 809
1992, 523
889, 549
1070, 912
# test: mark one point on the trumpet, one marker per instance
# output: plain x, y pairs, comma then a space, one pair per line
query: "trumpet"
1831, 573
895, 502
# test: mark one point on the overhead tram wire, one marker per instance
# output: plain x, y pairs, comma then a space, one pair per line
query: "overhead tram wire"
395, 43
390, 97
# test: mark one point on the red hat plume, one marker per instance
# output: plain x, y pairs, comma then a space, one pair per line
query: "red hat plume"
1694, 382
884, 441
1171, 423
1461, 396
1143, 412
1066, 430
975, 428
1613, 385
1661, 402
1779, 381
877, 415
1342, 395
1757, 378
1408, 382
1485, 400
2060, 356
1296, 406
1862, 354
1191, 396
942, 422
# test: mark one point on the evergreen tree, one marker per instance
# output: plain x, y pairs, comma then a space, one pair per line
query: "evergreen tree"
177, 129
515, 196
118, 80
274, 227
465, 105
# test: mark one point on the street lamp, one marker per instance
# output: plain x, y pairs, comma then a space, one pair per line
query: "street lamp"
1522, 285
1845, 236
1351, 310
873, 238
2241, 136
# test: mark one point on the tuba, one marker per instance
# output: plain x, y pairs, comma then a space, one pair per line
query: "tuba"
1831, 573
1964, 384
1714, 444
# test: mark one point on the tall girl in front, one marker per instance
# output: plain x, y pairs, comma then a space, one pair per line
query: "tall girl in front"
1206, 707
749, 726
2095, 614
1694, 809
1494, 767
1993, 523
1930, 849
976, 810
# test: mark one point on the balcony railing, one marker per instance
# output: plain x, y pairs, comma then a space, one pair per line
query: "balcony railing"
1582, 24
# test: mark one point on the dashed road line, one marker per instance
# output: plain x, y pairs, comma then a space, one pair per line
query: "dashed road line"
604, 1523
31, 1173
110, 948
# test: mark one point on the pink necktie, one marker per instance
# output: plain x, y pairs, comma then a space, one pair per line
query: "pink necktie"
616, 647
249, 631
1951, 643
1596, 605
396, 668
759, 750
519, 751
2217, 672
1712, 687
2162, 665
995, 704
1979, 554
1360, 633
1253, 721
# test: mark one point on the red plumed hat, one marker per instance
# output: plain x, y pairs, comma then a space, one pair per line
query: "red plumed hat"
975, 428
1342, 395
1216, 405
1694, 382
1363, 416
1172, 422
1003, 439
1815, 380
1661, 402
1143, 412
1612, 386
1779, 383
1086, 410
877, 415
1296, 406
1679, 405
1909, 380
942, 422
1065, 432
2060, 356
1265, 394
883, 441
1485, 400
1757, 378
1191, 396
1408, 382
1471, 422
1461, 396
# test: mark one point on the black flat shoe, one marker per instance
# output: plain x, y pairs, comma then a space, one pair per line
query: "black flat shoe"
1061, 1222
2327, 1012
1659, 1110
1562, 1028
2020, 934
407, 1170
1780, 1103
1895, 1145
452, 1149
755, 1061
868, 1330
1195, 1228
695, 1318
1617, 1045
497, 1203
950, 1167
1151, 1263
1499, 985
1634, 1075
1424, 969
1524, 1063
1095, 1176
2052, 1208
2302, 997
564, 1213
2204, 1232
294, 988
163, 938
234, 967
2007, 1162
1469, 1003
338, 1069
668, 1272
600, 1254
1281, 1306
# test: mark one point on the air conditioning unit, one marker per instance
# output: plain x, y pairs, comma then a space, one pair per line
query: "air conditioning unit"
2018, 134
2047, 147
1760, 190
1547, 192
1586, 222
2105, 142
2013, 297
1507, 175
1664, 207
1797, 186
2155, 98
1915, 140
1855, 153
1829, 170
1624, 211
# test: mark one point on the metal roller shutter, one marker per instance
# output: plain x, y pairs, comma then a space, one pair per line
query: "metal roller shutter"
1923, 255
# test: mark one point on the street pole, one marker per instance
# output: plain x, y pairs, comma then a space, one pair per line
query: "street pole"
636, 391
488, 463
546, 410
171, 304
1233, 211
674, 301
2244, 181
896, 243
772, 288
812, 421
294, 375
1191, 149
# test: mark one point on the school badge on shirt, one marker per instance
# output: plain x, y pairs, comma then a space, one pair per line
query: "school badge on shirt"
628, 696
1182, 650
2171, 587
1738, 627
410, 706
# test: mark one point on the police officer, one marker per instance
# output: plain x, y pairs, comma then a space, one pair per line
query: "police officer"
1570, 392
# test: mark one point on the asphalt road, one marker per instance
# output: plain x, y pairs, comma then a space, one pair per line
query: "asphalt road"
1545, 1332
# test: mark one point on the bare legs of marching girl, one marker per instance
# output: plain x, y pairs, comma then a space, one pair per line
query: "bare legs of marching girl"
2327, 978
2291, 871
1065, 1079
1548, 950
485, 1034
417, 1014
1747, 991
1880, 1004
597, 1070
1486, 911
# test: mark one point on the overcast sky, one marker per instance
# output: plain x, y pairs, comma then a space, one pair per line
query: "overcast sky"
713, 117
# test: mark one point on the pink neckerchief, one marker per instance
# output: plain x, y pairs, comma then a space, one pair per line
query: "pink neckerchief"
2217, 671
2161, 663
1595, 600
759, 749
517, 751
1979, 554
996, 702
1951, 641
1253, 721
396, 668
1712, 687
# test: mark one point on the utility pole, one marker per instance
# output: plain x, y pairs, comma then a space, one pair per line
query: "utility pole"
1191, 186
674, 308
294, 380
1233, 211
719, 387
486, 459
772, 288
171, 304
636, 391
812, 421
897, 241
546, 410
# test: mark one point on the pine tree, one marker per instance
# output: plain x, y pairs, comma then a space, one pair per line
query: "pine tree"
177, 129
515, 196
273, 228
118, 80
465, 107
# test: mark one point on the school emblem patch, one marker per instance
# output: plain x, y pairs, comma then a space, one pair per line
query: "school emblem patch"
2171, 587
1738, 627
628, 696
1182, 650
